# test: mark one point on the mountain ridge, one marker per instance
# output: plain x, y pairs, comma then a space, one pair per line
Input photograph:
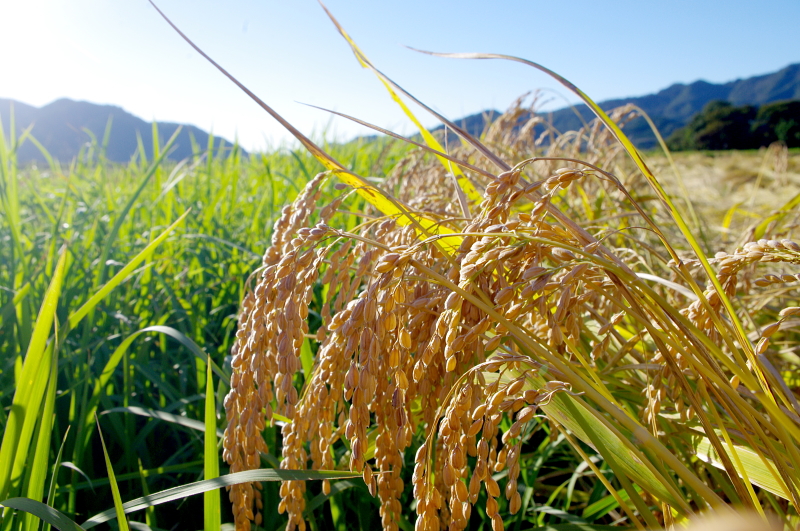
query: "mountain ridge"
671, 108
60, 126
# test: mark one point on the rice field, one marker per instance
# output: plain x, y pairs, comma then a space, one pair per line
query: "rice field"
528, 330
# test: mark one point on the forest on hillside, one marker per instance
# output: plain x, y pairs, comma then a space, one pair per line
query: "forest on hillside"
721, 125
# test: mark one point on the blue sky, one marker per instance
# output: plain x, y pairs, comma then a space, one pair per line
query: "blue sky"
120, 52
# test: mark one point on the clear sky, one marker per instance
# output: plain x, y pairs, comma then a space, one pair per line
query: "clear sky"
121, 52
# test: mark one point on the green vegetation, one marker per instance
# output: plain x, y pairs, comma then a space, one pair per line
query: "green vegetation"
723, 126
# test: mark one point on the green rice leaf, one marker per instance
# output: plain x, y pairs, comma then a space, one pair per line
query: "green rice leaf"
8, 310
248, 476
25, 405
163, 415
757, 471
47, 514
761, 228
575, 414
118, 510
307, 358
117, 279
461, 180
211, 503
51, 492
38, 469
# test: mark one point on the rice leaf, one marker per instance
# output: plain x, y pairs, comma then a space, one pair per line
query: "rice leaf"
163, 415
47, 514
51, 492
248, 476
123, 273
25, 405
785, 210
37, 471
150, 512
307, 358
211, 501
757, 471
118, 510
610, 449
8, 310
461, 179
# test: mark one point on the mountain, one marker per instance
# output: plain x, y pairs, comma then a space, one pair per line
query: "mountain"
674, 106
61, 128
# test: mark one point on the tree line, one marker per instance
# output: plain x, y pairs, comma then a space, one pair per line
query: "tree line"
721, 125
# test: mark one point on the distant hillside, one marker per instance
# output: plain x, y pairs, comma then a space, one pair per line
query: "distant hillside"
673, 107
60, 127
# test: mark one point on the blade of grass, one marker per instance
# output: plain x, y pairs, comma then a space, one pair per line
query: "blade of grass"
162, 415
118, 509
430, 140
25, 404
81, 312
150, 512
47, 514
37, 471
51, 491
439, 153
199, 487
757, 473
211, 502
8, 309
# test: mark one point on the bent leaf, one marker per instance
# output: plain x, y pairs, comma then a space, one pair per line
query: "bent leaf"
199, 487
381, 200
118, 511
47, 514
163, 415
461, 179
757, 472
113, 362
